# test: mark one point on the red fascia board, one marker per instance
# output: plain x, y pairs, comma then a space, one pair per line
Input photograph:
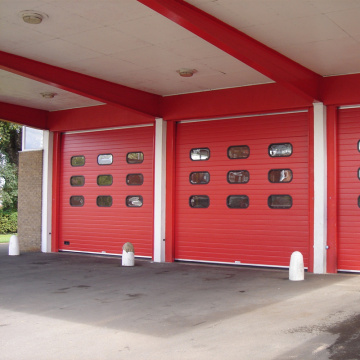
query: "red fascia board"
267, 61
95, 117
94, 88
341, 89
24, 115
228, 102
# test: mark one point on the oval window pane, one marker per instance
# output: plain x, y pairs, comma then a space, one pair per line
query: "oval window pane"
200, 177
77, 200
238, 152
105, 159
78, 160
280, 175
279, 150
134, 179
104, 201
104, 180
199, 201
237, 201
280, 201
77, 180
135, 157
238, 176
200, 154
134, 201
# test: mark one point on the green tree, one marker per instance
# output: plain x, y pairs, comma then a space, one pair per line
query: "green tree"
10, 145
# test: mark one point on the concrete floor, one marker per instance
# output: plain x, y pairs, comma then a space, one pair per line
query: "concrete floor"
67, 306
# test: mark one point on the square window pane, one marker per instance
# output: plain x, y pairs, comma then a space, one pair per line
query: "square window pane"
104, 201
280, 175
78, 160
200, 154
77, 180
200, 177
104, 180
238, 176
280, 150
238, 152
105, 159
280, 201
134, 179
199, 201
135, 157
237, 201
134, 201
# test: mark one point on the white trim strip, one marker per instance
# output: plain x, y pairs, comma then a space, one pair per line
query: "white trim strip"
100, 253
108, 129
234, 264
349, 107
242, 116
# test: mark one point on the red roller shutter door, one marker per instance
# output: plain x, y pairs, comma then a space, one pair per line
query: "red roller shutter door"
102, 229
257, 234
348, 190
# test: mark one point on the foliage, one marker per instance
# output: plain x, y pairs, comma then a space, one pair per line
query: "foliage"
8, 222
10, 145
10, 142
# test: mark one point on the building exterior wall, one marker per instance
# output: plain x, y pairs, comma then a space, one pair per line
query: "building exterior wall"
29, 202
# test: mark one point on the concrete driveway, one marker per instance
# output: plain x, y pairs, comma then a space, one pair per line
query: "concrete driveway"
68, 306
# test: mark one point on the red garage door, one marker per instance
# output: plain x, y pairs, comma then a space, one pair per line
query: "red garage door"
107, 191
348, 150
242, 191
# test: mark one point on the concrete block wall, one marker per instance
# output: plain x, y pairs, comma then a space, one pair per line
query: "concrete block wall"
29, 200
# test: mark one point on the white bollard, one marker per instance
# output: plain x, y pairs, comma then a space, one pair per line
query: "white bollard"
128, 257
14, 248
296, 270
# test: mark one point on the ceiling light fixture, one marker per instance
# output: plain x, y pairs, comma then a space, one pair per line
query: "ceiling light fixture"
184, 72
32, 17
48, 95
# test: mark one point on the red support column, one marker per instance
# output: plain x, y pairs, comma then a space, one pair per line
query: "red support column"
332, 189
170, 192
55, 193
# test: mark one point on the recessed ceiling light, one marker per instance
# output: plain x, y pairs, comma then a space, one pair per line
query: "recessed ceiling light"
184, 72
32, 17
48, 95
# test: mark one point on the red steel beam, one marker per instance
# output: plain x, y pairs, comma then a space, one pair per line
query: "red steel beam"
24, 115
94, 88
267, 61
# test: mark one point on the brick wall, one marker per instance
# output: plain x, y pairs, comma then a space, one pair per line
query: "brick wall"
29, 201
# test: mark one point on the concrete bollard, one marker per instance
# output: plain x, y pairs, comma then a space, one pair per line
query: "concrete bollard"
296, 270
128, 257
14, 248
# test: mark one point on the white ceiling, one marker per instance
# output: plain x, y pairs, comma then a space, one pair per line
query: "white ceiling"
125, 42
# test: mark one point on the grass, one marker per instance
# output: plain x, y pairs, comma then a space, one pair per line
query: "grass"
5, 238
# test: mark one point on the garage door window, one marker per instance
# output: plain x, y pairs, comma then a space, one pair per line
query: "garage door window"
104, 201
280, 150
105, 159
237, 201
78, 160
134, 179
238, 176
280, 201
200, 177
280, 175
200, 154
134, 201
238, 152
77, 180
104, 180
135, 157
77, 200
199, 201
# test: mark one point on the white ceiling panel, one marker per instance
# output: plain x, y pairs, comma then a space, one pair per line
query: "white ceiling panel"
125, 42
17, 90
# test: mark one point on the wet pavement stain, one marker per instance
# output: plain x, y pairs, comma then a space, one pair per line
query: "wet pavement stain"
347, 346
